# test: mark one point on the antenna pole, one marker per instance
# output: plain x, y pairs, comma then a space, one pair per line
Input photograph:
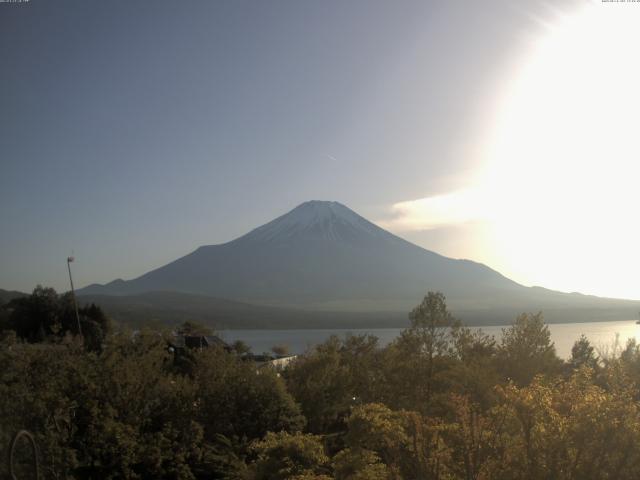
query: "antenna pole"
73, 294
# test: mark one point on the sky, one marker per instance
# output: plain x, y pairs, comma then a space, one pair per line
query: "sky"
133, 132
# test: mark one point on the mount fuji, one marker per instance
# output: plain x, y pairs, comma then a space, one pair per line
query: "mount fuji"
322, 256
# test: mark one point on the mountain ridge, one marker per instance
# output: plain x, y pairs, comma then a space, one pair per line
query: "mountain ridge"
310, 244
323, 256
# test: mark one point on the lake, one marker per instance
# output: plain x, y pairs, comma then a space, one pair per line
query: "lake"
602, 335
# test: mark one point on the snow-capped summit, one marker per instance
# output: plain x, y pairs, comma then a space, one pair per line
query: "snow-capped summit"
320, 219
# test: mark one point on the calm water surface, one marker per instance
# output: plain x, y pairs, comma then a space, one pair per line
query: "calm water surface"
602, 335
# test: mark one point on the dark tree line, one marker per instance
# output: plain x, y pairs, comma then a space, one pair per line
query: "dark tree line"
45, 314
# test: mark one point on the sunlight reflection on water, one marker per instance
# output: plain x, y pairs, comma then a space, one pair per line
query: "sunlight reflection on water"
601, 335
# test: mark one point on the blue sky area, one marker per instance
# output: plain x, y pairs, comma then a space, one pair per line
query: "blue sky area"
133, 132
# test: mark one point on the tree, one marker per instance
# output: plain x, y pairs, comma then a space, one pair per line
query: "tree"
359, 464
333, 377
476, 438
237, 400
283, 456
4, 317
35, 394
569, 430
45, 314
36, 316
474, 373
120, 414
430, 323
583, 354
96, 325
240, 347
418, 360
526, 350
376, 428
280, 350
192, 328
407, 444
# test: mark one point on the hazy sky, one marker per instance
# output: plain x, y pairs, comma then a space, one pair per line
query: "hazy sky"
133, 132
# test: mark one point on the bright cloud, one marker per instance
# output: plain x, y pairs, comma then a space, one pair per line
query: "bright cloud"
560, 187
438, 211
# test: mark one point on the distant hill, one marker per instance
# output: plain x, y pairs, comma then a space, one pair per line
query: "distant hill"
8, 295
322, 256
157, 309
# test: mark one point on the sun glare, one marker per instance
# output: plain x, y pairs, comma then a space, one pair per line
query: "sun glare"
562, 163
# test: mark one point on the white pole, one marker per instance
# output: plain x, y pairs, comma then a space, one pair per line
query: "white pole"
73, 294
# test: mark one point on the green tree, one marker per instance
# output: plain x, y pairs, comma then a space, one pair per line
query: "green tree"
240, 347
45, 315
526, 350
35, 317
417, 363
280, 350
583, 354
407, 444
333, 377
430, 324
359, 464
569, 430
120, 414
237, 400
477, 439
4, 317
190, 327
283, 456
95, 324
474, 373
376, 428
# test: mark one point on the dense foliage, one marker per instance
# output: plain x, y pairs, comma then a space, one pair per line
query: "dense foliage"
45, 315
440, 402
